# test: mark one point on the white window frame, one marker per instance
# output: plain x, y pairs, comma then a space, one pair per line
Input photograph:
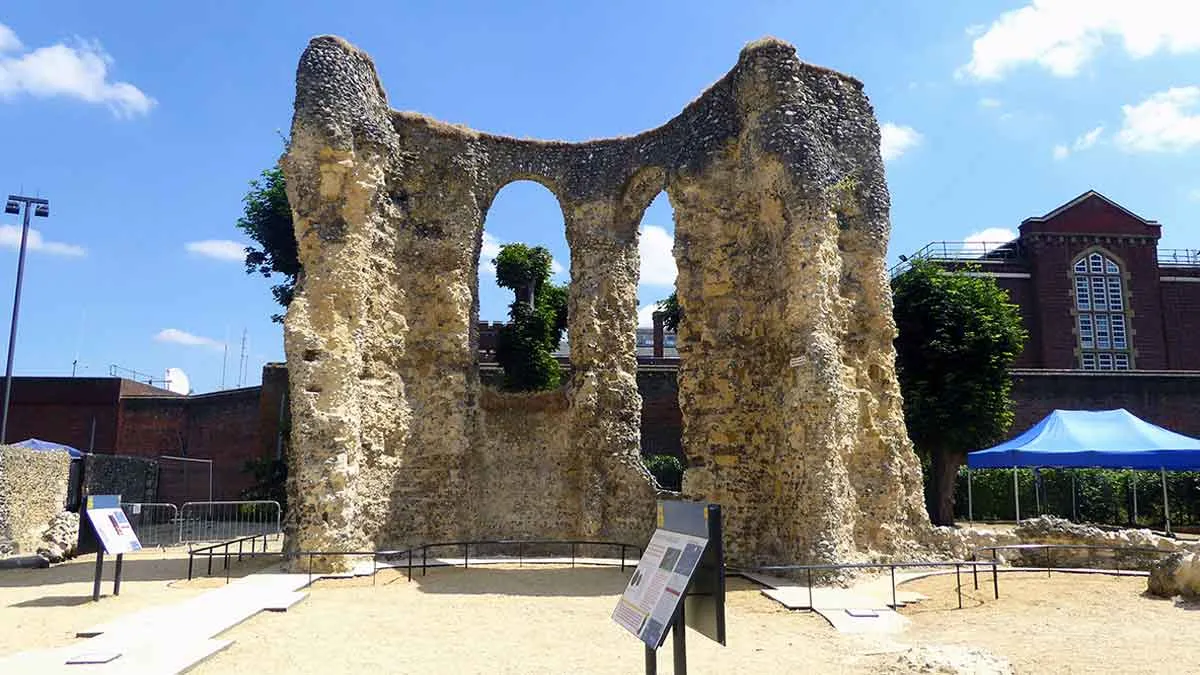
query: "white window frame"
1102, 324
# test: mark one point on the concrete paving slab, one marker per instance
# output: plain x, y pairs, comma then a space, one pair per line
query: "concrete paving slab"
285, 602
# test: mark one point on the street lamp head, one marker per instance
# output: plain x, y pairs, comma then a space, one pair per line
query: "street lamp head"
42, 210
11, 206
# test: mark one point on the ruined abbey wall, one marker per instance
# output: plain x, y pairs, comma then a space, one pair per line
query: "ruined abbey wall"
791, 408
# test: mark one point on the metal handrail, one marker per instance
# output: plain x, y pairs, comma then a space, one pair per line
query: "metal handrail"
210, 551
956, 564
1050, 548
1179, 257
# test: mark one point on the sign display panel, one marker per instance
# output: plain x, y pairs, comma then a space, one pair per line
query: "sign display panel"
661, 579
110, 524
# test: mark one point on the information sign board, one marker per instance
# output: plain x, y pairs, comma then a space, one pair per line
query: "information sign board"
648, 605
110, 524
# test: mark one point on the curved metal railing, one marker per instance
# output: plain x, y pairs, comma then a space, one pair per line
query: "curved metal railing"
408, 555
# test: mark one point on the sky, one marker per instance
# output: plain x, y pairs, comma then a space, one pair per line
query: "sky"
143, 123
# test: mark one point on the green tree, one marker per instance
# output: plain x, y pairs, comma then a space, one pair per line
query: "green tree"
958, 336
672, 314
267, 220
537, 318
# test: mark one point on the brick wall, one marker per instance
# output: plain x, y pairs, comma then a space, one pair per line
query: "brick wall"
662, 422
1168, 400
62, 410
1181, 318
225, 427
1021, 293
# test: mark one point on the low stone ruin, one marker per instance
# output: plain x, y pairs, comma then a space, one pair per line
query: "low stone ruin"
791, 409
1134, 549
61, 538
1177, 575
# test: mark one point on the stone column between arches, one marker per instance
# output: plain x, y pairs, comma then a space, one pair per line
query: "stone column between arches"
615, 490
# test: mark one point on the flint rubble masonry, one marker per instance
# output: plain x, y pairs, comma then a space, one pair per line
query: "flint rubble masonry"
791, 407
33, 491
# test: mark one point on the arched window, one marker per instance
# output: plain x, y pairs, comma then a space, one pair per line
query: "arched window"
1102, 324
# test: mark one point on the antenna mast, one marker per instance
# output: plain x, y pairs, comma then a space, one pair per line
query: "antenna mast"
242, 361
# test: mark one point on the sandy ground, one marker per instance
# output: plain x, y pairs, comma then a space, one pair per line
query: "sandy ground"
531, 620
552, 619
1067, 623
45, 607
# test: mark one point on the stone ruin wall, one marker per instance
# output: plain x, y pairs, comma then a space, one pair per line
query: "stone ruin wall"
792, 418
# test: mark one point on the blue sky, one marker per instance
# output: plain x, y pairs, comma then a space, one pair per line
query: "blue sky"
143, 122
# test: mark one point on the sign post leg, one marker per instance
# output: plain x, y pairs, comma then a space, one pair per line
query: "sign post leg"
117, 575
99, 571
678, 636
651, 661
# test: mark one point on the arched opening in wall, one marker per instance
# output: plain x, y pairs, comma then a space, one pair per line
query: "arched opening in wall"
658, 357
523, 213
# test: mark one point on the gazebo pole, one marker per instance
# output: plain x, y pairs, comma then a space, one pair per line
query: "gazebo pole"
1016, 497
1037, 493
970, 501
1166, 501
1133, 483
1074, 511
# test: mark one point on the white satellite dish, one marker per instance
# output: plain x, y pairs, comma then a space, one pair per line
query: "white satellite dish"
178, 382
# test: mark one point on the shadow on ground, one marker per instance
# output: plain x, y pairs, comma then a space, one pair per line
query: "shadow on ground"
142, 567
525, 581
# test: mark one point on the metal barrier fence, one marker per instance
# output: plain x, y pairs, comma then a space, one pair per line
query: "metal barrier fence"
223, 521
406, 559
155, 524
1134, 557
958, 565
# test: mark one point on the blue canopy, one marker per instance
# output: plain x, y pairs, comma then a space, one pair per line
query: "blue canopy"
47, 446
1111, 439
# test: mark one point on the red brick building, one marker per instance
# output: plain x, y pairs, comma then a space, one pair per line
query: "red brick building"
111, 415
1113, 320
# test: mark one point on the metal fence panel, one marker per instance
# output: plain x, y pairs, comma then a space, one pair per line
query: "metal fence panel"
222, 521
155, 524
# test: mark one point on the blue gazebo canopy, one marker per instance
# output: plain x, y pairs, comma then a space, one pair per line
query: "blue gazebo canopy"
1109, 439
48, 446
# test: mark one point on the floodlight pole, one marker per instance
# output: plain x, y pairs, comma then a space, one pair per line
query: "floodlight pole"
43, 211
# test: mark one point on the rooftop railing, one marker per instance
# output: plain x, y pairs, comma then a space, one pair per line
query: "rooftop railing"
1179, 257
987, 252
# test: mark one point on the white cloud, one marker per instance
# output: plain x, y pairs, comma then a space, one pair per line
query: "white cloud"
986, 240
220, 249
79, 72
491, 249
1089, 139
8, 39
1062, 35
1165, 122
646, 315
658, 260
10, 237
1083, 142
895, 140
989, 103
179, 337
1194, 194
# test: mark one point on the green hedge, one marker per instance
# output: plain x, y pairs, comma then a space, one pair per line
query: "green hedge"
1101, 495
667, 470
